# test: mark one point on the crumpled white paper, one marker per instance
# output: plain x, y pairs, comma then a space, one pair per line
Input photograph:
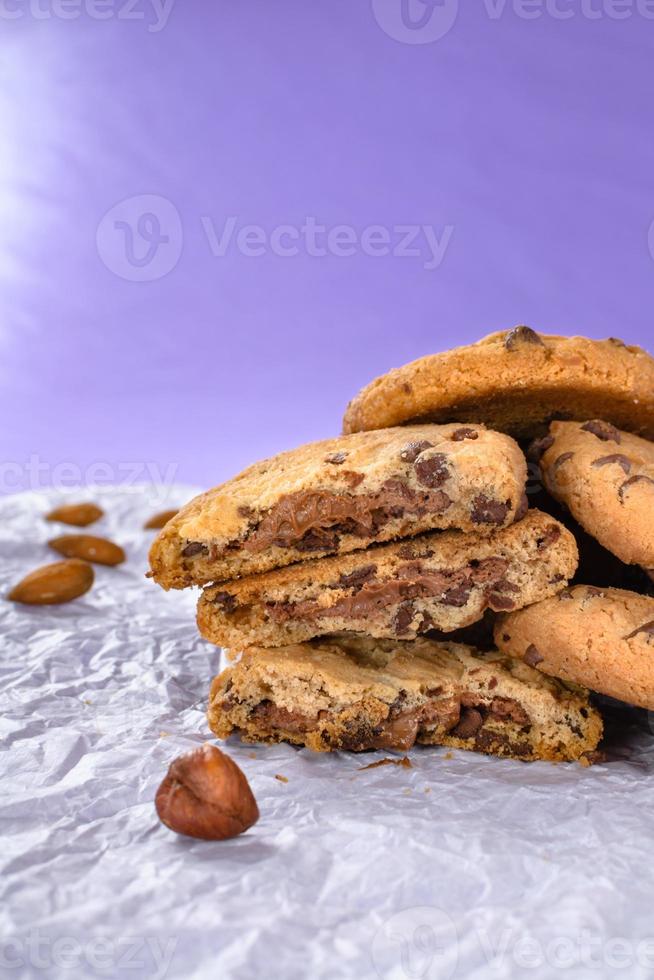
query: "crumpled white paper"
463, 866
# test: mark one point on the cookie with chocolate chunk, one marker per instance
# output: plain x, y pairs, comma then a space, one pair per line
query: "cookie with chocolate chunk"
601, 638
443, 580
340, 495
358, 693
516, 382
597, 565
605, 477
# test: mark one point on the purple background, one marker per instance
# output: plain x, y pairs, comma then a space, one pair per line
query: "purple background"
529, 136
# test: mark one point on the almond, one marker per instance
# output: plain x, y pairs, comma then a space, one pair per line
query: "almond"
85, 546
79, 515
159, 520
52, 584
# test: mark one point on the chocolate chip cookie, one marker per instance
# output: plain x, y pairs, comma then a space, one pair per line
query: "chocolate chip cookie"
340, 495
357, 694
601, 638
516, 382
440, 580
605, 478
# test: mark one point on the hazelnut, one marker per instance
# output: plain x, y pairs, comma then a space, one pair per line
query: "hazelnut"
206, 795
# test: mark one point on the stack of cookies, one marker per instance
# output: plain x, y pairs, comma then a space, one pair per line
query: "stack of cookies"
362, 579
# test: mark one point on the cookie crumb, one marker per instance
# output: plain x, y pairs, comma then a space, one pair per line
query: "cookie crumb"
404, 762
282, 779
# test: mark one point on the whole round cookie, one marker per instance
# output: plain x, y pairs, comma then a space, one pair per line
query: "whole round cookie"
605, 478
602, 639
515, 381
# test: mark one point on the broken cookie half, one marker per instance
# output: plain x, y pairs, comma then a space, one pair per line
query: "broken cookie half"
340, 495
443, 580
356, 693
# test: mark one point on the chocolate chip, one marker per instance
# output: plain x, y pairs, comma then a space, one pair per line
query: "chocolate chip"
194, 548
617, 342
523, 507
426, 623
532, 656
412, 450
566, 594
639, 478
503, 585
500, 603
485, 510
551, 535
646, 628
614, 458
469, 723
398, 705
460, 434
434, 471
506, 637
244, 511
457, 596
538, 447
522, 335
226, 601
501, 743
492, 684
603, 430
336, 458
407, 387
403, 617
560, 460
507, 709
355, 579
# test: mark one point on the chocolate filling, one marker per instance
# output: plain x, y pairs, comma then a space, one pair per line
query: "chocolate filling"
275, 717
451, 587
463, 717
314, 520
